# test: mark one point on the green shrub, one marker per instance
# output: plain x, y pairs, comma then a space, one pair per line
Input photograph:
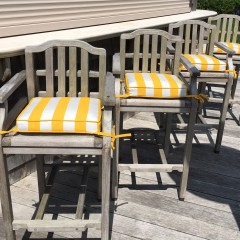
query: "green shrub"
220, 6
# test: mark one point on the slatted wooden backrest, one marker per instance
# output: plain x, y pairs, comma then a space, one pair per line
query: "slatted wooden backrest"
198, 36
149, 51
66, 69
227, 27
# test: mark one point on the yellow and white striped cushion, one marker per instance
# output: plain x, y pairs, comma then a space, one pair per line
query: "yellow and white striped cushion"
154, 85
61, 115
234, 46
205, 62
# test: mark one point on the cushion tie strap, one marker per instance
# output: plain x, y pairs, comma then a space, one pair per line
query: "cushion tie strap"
113, 136
200, 97
234, 72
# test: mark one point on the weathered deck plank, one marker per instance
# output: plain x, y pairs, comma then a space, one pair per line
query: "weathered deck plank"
148, 205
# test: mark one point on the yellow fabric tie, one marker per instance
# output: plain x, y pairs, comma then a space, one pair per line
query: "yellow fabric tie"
200, 97
113, 136
234, 72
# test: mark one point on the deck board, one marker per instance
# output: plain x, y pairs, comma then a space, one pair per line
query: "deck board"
148, 205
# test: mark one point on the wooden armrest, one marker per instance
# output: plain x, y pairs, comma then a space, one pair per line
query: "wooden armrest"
9, 87
109, 91
190, 67
116, 68
170, 48
225, 48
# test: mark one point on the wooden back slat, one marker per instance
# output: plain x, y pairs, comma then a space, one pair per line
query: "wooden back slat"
145, 53
49, 72
197, 33
30, 74
235, 30
123, 58
61, 72
163, 54
201, 40
218, 35
187, 39
176, 63
224, 28
154, 53
194, 39
229, 30
72, 72
136, 53
227, 27
84, 73
102, 75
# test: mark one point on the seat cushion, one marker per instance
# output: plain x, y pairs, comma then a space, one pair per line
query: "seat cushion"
61, 115
234, 46
154, 85
205, 62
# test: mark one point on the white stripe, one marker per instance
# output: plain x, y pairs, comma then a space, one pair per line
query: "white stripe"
148, 80
71, 110
27, 112
179, 82
131, 80
91, 127
149, 92
164, 81
166, 93
92, 115
69, 126
46, 126
133, 91
50, 109
210, 63
196, 59
22, 125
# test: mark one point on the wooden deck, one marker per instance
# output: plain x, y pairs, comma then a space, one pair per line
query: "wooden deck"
148, 207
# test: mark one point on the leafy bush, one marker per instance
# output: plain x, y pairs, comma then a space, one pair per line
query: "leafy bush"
220, 6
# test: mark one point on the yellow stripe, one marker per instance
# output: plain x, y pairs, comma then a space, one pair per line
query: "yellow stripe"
204, 63
157, 85
217, 64
34, 118
58, 116
81, 116
141, 84
173, 85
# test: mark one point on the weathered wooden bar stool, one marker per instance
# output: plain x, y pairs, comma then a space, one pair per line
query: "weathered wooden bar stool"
199, 41
81, 119
144, 86
227, 33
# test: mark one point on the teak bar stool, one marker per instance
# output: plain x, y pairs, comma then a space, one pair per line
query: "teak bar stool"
81, 119
227, 33
198, 47
148, 87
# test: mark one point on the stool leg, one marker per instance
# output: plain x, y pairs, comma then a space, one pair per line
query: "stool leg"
116, 156
187, 152
222, 120
167, 133
6, 200
106, 168
235, 81
40, 175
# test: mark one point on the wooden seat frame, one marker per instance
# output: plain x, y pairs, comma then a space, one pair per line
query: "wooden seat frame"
67, 144
159, 40
195, 34
228, 31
